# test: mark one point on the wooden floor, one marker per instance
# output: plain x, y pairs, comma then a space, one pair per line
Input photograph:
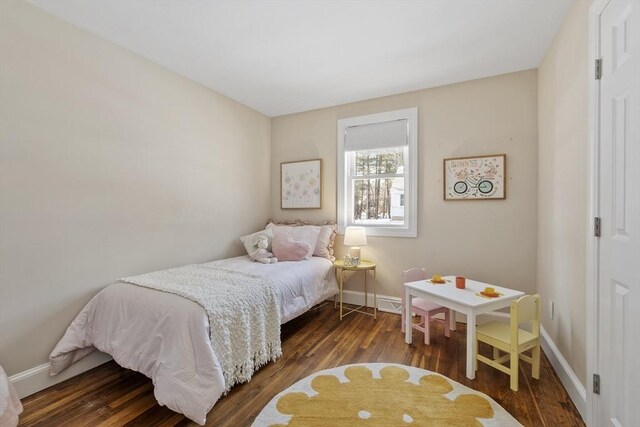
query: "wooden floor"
110, 395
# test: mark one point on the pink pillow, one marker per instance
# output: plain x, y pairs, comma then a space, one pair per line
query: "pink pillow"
286, 249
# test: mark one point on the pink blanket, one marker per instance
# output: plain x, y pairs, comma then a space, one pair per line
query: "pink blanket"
161, 335
10, 406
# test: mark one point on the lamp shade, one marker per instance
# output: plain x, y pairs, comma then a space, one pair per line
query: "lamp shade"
355, 236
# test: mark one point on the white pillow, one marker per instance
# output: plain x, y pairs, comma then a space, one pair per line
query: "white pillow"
250, 241
324, 248
305, 233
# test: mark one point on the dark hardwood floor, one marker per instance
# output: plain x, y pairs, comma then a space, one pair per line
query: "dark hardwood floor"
111, 395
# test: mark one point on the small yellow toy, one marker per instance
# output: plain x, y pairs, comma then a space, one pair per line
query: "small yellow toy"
436, 278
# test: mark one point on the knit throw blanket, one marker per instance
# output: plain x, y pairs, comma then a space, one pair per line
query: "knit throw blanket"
243, 311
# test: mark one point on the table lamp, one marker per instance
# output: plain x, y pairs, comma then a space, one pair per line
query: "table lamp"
355, 237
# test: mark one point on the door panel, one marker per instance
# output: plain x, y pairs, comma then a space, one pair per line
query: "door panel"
619, 189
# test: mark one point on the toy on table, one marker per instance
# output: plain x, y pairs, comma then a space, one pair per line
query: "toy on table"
490, 292
436, 278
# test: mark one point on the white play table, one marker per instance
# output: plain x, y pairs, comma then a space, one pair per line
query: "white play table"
458, 300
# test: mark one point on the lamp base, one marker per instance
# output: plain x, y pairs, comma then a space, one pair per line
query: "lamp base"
354, 252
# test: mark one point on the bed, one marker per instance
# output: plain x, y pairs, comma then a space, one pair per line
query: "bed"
166, 337
10, 405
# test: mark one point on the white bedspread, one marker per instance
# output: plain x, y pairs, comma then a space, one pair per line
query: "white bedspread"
300, 284
244, 307
10, 405
166, 337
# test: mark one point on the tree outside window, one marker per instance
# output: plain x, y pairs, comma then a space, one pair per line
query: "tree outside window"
378, 186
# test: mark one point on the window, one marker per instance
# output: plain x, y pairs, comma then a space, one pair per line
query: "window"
377, 182
377, 173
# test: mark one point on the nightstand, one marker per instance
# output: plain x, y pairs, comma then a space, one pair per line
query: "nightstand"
365, 267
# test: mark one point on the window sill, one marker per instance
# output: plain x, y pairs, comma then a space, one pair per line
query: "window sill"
386, 231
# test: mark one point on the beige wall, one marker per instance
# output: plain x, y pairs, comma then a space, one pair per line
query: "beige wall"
109, 165
562, 184
492, 241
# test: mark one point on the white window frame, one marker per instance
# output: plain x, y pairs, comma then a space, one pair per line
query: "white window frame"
410, 227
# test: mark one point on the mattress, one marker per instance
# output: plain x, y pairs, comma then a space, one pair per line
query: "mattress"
300, 284
166, 337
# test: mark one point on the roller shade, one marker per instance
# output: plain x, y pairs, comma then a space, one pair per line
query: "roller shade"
372, 136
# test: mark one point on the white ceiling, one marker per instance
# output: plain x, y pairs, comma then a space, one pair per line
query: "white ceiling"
281, 57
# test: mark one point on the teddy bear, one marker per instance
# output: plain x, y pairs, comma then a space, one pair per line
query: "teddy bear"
262, 254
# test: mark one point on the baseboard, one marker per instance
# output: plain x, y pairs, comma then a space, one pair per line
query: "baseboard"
394, 305
37, 378
385, 302
574, 387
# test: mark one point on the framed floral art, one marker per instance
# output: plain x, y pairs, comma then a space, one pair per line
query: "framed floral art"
301, 184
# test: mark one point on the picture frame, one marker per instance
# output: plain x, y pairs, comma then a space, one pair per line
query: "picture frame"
475, 178
301, 184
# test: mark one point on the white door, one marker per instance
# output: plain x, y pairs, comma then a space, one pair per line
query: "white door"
619, 244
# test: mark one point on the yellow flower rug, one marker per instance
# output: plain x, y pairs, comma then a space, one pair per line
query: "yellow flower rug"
381, 394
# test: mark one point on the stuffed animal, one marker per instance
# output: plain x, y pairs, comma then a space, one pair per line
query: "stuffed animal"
262, 254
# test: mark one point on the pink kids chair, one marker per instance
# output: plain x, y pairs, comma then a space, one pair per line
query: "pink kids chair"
422, 307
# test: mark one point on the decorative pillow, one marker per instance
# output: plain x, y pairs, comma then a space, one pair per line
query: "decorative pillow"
250, 241
285, 248
324, 247
326, 236
306, 233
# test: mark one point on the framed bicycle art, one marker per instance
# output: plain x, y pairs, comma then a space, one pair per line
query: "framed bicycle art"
475, 178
